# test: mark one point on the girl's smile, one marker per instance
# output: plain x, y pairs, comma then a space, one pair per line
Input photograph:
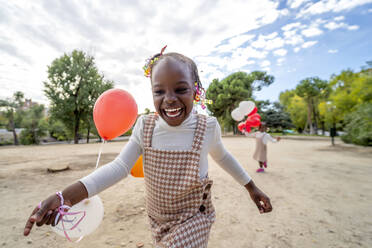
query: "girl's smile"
172, 90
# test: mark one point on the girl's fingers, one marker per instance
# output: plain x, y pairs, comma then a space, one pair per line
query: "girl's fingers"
259, 206
45, 218
52, 218
30, 223
267, 205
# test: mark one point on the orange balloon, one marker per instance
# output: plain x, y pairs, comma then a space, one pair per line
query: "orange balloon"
114, 113
137, 170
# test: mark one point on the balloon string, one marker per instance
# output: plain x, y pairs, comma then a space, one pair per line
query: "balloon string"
99, 153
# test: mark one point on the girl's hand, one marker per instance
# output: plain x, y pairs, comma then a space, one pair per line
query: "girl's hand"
259, 198
46, 214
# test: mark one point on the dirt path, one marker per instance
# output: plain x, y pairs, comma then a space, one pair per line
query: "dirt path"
322, 197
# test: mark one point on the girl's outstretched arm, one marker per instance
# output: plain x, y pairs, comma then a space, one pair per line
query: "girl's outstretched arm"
233, 167
47, 212
90, 185
259, 198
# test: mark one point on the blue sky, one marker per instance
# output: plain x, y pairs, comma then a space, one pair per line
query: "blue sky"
291, 39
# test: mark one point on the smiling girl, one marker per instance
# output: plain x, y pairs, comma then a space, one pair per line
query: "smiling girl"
175, 144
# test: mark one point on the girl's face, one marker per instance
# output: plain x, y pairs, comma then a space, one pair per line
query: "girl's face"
172, 90
262, 128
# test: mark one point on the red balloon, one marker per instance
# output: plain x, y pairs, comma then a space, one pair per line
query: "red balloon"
241, 126
255, 116
253, 111
252, 122
114, 113
248, 129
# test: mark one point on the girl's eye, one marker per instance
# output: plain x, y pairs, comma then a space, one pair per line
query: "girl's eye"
181, 90
158, 92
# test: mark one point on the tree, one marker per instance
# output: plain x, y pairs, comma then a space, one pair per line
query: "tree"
73, 86
276, 117
13, 113
311, 90
229, 92
350, 90
296, 107
359, 126
34, 125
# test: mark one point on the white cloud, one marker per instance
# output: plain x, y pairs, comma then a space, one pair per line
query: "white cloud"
339, 18
121, 35
309, 44
280, 52
234, 43
332, 51
268, 42
312, 31
296, 49
296, 3
353, 27
279, 61
290, 26
324, 6
334, 25
265, 63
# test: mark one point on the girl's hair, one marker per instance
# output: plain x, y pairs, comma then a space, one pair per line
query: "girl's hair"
154, 60
262, 124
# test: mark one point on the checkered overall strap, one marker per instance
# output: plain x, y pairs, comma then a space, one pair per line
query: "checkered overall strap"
198, 139
201, 127
148, 129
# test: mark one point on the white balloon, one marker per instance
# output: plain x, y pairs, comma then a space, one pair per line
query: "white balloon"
246, 107
237, 115
93, 208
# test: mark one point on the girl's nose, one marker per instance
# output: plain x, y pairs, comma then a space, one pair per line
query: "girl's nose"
169, 98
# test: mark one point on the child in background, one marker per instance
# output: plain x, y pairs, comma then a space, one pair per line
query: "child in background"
175, 144
260, 154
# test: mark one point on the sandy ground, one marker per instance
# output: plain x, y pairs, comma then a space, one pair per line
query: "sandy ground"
322, 196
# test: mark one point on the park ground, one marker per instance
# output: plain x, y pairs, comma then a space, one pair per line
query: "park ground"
322, 196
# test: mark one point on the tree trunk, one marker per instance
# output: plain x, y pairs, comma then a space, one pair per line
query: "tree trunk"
76, 131
315, 117
12, 127
88, 133
309, 120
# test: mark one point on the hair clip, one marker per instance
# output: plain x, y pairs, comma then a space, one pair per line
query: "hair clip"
150, 61
200, 96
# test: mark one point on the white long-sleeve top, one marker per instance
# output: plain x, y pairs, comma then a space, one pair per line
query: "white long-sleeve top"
167, 138
262, 135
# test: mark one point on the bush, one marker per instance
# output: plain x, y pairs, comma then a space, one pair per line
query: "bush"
359, 126
57, 130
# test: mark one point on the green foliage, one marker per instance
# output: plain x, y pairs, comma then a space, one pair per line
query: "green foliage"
312, 90
350, 90
359, 126
296, 107
13, 113
57, 130
34, 125
73, 86
276, 117
229, 92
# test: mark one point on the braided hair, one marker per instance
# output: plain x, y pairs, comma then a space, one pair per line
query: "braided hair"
154, 60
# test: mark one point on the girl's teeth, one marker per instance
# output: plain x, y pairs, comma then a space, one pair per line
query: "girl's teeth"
173, 112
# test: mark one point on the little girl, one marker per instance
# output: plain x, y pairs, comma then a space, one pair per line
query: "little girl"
260, 154
175, 144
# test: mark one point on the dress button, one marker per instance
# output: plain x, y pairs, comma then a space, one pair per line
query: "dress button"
205, 195
202, 208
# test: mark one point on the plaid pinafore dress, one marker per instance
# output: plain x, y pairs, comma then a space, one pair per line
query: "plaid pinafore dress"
178, 202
